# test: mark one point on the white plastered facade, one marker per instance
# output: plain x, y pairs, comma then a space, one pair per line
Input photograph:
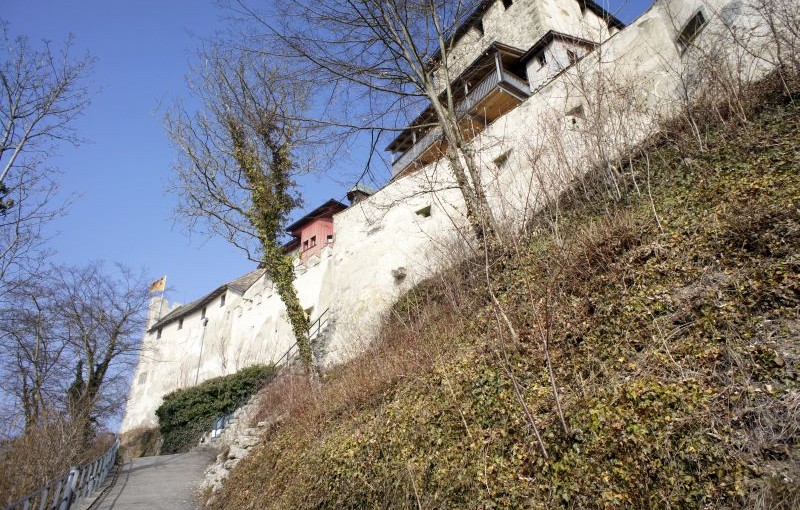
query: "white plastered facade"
391, 240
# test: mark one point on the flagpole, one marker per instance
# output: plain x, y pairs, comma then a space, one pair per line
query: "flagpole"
159, 285
163, 291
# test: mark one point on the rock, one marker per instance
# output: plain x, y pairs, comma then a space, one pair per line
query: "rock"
236, 452
248, 441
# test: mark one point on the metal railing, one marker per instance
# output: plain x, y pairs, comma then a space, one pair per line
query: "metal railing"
314, 331
65, 492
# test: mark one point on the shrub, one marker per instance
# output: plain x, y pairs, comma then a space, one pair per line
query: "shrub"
187, 414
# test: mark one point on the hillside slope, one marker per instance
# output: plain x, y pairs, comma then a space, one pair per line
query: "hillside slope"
674, 345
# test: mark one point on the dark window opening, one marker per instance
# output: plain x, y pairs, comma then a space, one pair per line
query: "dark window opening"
425, 212
690, 31
576, 113
329, 239
158, 333
222, 300
542, 59
479, 28
502, 159
203, 313
572, 56
507, 3
313, 241
180, 323
305, 245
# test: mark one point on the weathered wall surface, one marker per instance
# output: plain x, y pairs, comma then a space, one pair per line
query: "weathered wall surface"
390, 241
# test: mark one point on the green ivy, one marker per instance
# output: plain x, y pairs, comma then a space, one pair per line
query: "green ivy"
187, 414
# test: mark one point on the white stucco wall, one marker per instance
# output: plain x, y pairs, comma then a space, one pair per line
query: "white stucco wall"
383, 246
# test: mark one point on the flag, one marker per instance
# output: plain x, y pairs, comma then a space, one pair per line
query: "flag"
159, 285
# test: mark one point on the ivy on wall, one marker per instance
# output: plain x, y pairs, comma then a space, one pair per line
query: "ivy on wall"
189, 413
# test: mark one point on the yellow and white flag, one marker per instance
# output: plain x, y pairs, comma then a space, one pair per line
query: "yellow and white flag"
159, 285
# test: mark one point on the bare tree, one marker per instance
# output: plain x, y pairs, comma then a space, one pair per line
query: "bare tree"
236, 168
42, 91
375, 64
103, 317
34, 354
67, 345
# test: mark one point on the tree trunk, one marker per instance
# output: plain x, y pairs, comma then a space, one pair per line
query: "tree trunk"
281, 271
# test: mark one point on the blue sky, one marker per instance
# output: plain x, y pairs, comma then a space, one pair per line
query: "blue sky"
143, 49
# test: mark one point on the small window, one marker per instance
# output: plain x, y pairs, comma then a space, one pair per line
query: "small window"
572, 56
502, 159
507, 3
542, 59
158, 334
425, 212
313, 241
690, 31
479, 28
329, 239
180, 323
222, 300
203, 313
305, 245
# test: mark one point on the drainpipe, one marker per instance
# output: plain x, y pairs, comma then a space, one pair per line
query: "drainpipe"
202, 339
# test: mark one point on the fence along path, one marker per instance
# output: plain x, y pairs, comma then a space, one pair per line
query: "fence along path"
67, 491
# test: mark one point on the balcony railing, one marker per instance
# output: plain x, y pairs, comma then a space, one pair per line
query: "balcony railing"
498, 78
416, 150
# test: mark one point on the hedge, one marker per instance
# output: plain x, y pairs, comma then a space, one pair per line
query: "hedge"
189, 413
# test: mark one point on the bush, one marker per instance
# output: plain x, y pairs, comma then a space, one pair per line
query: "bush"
187, 414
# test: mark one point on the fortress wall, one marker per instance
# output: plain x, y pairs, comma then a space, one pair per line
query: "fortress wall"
387, 242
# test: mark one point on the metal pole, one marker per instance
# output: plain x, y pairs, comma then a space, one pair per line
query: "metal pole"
202, 340
72, 480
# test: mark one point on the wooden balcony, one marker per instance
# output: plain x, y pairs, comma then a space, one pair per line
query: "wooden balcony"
492, 96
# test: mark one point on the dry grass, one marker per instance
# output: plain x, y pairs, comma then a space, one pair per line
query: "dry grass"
43, 453
414, 337
672, 347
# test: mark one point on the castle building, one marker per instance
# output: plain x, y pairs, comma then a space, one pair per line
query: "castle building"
521, 69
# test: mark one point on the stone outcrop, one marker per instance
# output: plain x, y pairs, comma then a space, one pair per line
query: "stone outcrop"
234, 443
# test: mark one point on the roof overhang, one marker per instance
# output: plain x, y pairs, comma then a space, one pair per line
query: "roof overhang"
326, 210
550, 37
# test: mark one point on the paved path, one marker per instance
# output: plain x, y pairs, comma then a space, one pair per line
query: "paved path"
166, 482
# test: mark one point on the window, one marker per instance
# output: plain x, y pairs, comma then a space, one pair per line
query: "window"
180, 323
572, 56
425, 212
203, 313
305, 245
507, 3
329, 239
501, 160
541, 59
690, 31
313, 241
158, 334
222, 300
